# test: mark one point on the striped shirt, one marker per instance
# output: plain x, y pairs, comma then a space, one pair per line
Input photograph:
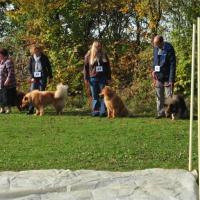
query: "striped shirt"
7, 73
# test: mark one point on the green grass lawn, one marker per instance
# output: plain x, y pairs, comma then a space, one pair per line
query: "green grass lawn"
74, 141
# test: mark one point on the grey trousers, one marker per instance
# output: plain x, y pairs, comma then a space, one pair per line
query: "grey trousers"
162, 93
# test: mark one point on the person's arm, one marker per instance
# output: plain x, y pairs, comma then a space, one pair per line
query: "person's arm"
86, 69
49, 68
172, 60
153, 64
30, 67
155, 58
108, 69
10, 72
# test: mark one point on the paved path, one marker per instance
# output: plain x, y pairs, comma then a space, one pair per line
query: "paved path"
150, 184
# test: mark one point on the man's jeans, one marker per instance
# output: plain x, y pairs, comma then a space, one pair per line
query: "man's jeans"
98, 105
37, 85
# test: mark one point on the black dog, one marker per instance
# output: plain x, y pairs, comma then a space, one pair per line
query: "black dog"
175, 107
18, 100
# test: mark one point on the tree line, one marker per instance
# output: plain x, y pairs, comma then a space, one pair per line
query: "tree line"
66, 28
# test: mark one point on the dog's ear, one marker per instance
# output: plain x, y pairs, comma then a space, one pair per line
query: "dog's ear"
27, 99
165, 105
109, 92
171, 106
102, 93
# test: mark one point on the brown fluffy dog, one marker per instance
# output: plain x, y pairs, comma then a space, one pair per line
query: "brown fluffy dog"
40, 99
114, 104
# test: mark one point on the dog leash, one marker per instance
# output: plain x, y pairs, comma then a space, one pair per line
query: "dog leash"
157, 84
155, 80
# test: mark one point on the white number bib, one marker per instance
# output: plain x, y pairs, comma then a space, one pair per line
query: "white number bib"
157, 68
37, 74
99, 68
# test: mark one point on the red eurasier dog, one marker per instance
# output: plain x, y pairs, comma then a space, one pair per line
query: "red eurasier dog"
114, 104
40, 99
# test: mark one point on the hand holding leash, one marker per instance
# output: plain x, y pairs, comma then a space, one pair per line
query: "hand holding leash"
6, 83
32, 80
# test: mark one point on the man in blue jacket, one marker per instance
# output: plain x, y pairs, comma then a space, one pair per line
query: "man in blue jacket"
164, 71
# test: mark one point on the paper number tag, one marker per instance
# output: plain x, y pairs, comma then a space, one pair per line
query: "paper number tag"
157, 68
99, 69
37, 74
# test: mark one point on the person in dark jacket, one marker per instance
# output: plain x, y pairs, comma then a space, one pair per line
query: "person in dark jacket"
164, 71
40, 71
97, 74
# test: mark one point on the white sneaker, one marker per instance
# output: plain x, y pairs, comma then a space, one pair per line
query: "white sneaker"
2, 110
8, 110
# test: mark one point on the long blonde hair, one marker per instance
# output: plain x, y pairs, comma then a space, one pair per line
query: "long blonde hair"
96, 53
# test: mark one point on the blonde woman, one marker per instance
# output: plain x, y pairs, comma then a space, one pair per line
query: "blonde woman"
97, 74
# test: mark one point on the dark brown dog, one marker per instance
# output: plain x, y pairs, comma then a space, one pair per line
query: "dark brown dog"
114, 104
175, 107
18, 101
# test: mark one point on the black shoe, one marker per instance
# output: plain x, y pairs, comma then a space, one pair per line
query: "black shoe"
159, 117
103, 115
95, 113
30, 112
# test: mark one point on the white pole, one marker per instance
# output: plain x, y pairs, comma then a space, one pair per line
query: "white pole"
198, 86
192, 97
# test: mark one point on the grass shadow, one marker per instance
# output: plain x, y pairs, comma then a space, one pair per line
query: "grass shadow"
70, 113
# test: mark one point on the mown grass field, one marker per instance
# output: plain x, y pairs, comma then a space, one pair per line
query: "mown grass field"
78, 141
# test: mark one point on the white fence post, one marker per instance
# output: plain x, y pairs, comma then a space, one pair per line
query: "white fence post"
192, 97
198, 93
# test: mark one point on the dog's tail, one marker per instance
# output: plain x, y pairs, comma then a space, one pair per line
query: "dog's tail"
61, 91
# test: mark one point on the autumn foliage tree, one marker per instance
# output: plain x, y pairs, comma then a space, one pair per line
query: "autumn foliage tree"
66, 29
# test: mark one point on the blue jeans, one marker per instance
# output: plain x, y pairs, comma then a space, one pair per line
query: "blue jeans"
98, 105
37, 85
